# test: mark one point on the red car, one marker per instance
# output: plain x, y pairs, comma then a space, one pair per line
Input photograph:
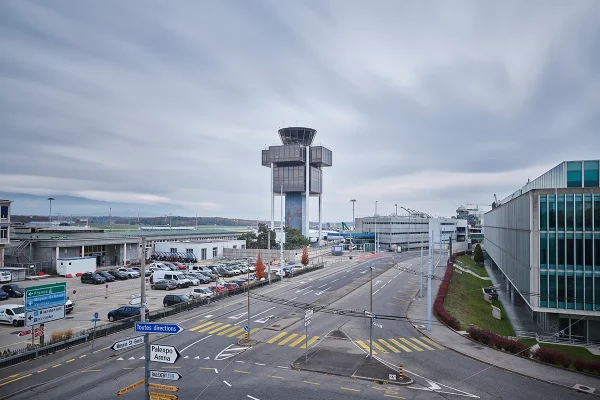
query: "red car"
217, 289
231, 286
180, 265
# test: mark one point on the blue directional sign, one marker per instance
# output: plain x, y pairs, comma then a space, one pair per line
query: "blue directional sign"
153, 327
95, 315
45, 296
246, 328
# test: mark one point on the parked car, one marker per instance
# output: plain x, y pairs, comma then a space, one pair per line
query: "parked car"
201, 277
124, 312
68, 306
172, 299
171, 266
217, 289
119, 275
231, 287
178, 277
243, 268
193, 280
240, 282
201, 293
12, 314
5, 276
160, 266
252, 268
3, 295
181, 266
164, 284
13, 290
92, 277
222, 271
139, 269
131, 273
106, 275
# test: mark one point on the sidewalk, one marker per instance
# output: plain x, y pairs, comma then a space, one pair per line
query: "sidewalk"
451, 339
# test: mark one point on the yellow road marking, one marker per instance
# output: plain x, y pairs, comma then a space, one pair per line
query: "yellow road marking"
71, 360
201, 325
312, 383
354, 390
11, 376
83, 356
168, 366
57, 365
90, 370
14, 380
225, 326
287, 339
403, 347
311, 341
364, 346
276, 337
235, 333
209, 327
242, 336
276, 377
42, 370
242, 372
226, 331
425, 338
390, 395
378, 347
411, 344
128, 368
297, 341
417, 341
389, 346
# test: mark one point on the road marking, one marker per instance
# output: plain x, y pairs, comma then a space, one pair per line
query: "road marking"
68, 361
311, 341
225, 326
343, 276
391, 395
227, 383
322, 286
187, 347
209, 315
276, 337
417, 341
83, 356
280, 366
276, 377
335, 280
287, 339
312, 383
425, 338
353, 390
411, 344
42, 370
403, 347
241, 362
364, 346
238, 316
241, 372
208, 328
243, 335
382, 286
90, 370
378, 347
375, 292
389, 346
260, 364
201, 325
228, 330
208, 369
14, 380
235, 333
11, 376
298, 341
250, 397
57, 365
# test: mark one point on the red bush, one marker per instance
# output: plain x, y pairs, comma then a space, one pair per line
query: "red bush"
499, 342
438, 304
551, 356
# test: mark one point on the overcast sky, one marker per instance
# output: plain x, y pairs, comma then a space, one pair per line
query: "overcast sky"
164, 107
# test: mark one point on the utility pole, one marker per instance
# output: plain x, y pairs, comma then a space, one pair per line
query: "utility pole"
430, 268
421, 287
351, 241
143, 319
280, 238
50, 214
248, 285
376, 246
371, 320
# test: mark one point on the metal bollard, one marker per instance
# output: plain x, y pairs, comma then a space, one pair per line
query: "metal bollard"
400, 373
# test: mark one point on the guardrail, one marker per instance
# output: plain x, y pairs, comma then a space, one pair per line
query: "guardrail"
29, 353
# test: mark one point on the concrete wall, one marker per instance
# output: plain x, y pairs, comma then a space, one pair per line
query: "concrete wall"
181, 247
270, 255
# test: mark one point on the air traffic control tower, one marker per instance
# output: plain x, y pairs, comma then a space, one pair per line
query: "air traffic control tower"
297, 174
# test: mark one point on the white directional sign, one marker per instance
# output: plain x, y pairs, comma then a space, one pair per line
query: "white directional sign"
308, 316
171, 376
163, 354
127, 343
44, 315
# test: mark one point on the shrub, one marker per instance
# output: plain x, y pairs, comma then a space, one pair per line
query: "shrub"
304, 260
478, 254
551, 356
61, 335
500, 342
438, 304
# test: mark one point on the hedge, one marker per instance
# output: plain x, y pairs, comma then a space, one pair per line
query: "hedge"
438, 305
499, 342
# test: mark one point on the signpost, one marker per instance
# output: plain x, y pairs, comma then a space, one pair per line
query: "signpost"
170, 376
163, 354
307, 317
164, 387
130, 387
45, 296
153, 327
162, 396
94, 320
127, 343
41, 316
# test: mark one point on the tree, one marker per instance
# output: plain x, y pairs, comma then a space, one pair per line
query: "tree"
478, 254
304, 259
250, 238
294, 239
260, 267
263, 237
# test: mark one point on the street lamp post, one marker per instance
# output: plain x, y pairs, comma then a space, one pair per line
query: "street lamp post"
376, 245
396, 209
351, 242
50, 213
371, 320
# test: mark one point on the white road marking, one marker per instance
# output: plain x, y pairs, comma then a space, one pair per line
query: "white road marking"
238, 316
216, 371
300, 290
363, 272
253, 398
207, 358
260, 364
335, 280
227, 383
186, 357
131, 358
279, 366
322, 286
241, 362
306, 292
120, 359
187, 347
263, 320
208, 316
198, 357
375, 292
383, 285
293, 299
227, 352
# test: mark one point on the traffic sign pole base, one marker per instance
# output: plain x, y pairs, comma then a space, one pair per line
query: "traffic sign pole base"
249, 343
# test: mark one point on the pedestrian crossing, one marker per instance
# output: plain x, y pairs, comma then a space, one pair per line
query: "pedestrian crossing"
399, 345
222, 329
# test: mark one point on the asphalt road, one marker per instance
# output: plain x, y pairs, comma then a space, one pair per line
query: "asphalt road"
214, 365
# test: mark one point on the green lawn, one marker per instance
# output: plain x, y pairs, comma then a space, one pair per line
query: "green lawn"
468, 263
572, 351
465, 301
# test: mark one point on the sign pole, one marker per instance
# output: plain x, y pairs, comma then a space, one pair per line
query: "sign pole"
143, 319
248, 287
94, 334
306, 341
33, 336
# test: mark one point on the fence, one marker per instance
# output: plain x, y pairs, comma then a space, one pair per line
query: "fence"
268, 255
30, 353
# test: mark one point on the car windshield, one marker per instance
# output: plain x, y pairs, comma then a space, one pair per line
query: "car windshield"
18, 310
184, 297
18, 288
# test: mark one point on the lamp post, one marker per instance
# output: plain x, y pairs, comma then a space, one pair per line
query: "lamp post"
396, 209
371, 320
351, 242
376, 245
50, 213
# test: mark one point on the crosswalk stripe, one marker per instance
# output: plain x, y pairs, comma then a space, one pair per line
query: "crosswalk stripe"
311, 341
287, 339
298, 341
425, 338
378, 347
236, 332
201, 325
417, 341
389, 346
403, 347
207, 328
219, 329
243, 335
411, 344
276, 337
227, 330
364, 345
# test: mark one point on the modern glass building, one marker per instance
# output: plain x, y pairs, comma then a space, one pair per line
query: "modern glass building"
545, 238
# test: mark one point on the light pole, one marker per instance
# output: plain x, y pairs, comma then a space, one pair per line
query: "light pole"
351, 242
50, 213
376, 246
248, 285
280, 237
371, 320
396, 209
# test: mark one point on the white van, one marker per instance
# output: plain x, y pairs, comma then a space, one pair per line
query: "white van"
12, 314
170, 276
5, 276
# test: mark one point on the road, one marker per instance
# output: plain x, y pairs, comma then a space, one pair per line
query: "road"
214, 365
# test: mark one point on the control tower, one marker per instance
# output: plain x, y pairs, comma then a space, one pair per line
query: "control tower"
297, 174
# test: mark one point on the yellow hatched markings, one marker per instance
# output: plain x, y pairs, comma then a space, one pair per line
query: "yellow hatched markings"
411, 344
378, 347
298, 341
57, 365
236, 332
287, 339
311, 341
243, 335
403, 347
42, 370
11, 376
201, 325
276, 337
226, 331
417, 341
364, 345
389, 346
71, 360
208, 328
220, 328
425, 338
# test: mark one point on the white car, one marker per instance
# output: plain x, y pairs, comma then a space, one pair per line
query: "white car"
252, 267
131, 273
193, 280
201, 293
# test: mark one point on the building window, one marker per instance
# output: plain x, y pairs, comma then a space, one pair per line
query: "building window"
589, 252
570, 212
215, 249
552, 250
570, 252
543, 290
578, 212
574, 174
597, 259
189, 251
552, 213
589, 292
579, 299
203, 254
173, 249
3, 232
543, 213
587, 212
560, 211
597, 212
3, 212
590, 174
561, 251
552, 289
579, 251
543, 251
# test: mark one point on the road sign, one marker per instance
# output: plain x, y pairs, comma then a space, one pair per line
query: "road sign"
95, 315
392, 377
307, 322
127, 343
164, 387
163, 354
162, 396
95, 320
45, 296
308, 314
246, 328
170, 376
131, 387
44, 315
153, 327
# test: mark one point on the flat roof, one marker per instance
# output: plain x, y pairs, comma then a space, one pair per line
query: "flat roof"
119, 235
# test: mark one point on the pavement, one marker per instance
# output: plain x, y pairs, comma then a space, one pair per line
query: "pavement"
460, 343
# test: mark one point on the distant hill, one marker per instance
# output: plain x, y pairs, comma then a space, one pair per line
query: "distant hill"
148, 221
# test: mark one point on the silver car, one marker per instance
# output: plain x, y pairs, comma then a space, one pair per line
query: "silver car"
193, 280
201, 293
131, 273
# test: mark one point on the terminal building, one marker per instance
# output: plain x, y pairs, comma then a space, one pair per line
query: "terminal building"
545, 239
4, 228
